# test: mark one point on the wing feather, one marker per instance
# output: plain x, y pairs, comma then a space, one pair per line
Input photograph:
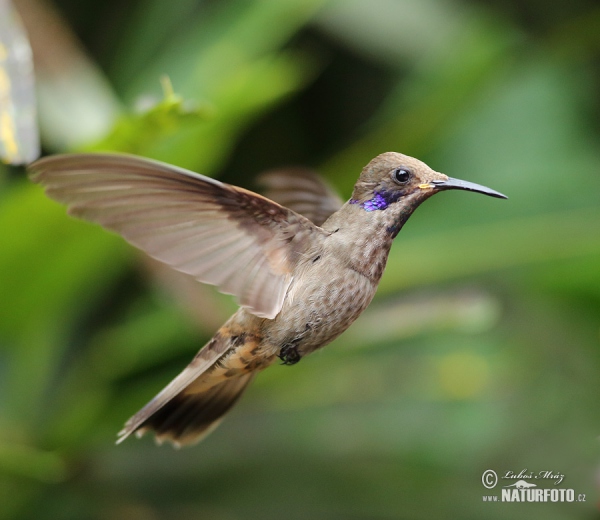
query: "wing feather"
242, 242
303, 191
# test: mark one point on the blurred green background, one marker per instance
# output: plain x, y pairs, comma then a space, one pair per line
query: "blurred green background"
481, 348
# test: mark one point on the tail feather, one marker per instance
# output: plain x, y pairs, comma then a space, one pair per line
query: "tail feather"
188, 418
193, 404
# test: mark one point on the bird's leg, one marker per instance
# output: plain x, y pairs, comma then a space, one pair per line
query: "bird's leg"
289, 354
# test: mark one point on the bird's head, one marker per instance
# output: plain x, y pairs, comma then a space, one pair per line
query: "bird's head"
393, 177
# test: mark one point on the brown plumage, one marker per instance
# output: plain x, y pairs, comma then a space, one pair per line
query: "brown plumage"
300, 283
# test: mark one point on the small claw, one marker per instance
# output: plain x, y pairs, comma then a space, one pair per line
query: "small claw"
289, 355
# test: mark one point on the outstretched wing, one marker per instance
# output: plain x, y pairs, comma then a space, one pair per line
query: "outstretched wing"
303, 191
243, 243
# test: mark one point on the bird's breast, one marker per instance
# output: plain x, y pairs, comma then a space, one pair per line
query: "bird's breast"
326, 295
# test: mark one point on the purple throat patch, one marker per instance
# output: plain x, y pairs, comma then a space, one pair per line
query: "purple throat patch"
374, 204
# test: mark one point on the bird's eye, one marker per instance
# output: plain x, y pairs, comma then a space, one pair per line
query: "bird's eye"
401, 175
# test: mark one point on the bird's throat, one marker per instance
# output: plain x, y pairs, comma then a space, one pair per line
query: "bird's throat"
362, 236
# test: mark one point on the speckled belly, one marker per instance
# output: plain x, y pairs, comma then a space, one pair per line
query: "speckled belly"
319, 308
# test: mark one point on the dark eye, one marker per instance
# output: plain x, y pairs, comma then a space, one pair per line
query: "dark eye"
401, 175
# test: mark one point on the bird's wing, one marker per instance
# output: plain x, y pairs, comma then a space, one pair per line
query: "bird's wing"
243, 243
303, 191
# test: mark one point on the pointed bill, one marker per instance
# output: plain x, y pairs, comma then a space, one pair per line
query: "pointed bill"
243, 243
457, 184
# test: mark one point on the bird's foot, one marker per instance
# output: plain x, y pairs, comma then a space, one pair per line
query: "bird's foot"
289, 355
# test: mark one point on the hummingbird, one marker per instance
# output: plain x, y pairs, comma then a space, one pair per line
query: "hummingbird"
302, 265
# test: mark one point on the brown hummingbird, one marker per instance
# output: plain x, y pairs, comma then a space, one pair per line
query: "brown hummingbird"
302, 273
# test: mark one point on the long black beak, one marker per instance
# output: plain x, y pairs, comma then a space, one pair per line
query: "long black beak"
457, 184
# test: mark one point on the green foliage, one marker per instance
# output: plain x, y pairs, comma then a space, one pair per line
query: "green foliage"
144, 131
481, 349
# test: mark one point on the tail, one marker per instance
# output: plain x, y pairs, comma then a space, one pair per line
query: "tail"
194, 403
189, 418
